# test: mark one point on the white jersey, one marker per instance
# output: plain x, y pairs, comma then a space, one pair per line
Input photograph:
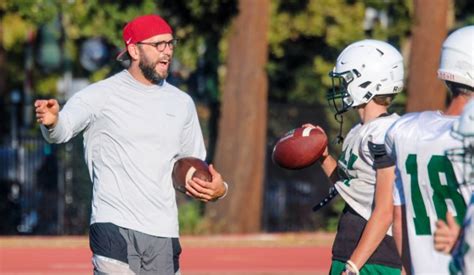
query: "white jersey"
426, 182
356, 164
463, 253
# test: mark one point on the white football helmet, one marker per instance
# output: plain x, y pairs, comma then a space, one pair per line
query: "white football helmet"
457, 57
463, 130
364, 69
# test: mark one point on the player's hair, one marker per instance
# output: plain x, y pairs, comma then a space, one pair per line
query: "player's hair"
384, 100
458, 88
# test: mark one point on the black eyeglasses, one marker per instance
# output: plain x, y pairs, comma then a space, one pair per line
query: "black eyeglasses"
161, 46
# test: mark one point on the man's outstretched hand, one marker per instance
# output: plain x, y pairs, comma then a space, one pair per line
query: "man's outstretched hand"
47, 111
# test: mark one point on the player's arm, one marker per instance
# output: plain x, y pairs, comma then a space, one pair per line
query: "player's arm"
399, 230
380, 220
397, 227
329, 166
328, 163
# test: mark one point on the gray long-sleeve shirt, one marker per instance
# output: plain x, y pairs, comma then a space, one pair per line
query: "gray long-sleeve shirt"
132, 134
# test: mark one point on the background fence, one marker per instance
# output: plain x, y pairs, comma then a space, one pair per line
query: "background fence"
47, 189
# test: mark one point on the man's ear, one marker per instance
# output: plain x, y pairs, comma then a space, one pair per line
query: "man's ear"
133, 51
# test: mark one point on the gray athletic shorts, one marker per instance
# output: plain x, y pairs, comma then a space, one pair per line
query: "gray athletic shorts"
118, 250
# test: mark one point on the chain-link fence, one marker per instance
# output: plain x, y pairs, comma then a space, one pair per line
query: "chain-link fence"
44, 188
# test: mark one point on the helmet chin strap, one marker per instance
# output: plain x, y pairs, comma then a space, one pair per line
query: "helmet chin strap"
339, 118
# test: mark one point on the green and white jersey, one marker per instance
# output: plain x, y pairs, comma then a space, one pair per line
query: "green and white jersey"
356, 163
426, 182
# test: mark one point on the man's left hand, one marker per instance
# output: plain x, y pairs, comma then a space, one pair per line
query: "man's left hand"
207, 191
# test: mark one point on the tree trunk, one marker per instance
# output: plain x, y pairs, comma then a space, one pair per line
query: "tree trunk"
425, 90
240, 150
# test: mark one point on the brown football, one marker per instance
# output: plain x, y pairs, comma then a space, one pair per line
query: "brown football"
299, 148
186, 168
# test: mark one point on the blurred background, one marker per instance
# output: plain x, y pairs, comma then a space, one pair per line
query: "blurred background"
255, 68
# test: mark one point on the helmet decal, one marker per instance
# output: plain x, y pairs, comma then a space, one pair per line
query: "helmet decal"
457, 57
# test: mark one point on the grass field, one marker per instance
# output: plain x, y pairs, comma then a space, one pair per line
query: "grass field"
299, 254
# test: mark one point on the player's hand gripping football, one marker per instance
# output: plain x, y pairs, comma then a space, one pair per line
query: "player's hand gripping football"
446, 234
326, 152
207, 191
328, 163
47, 111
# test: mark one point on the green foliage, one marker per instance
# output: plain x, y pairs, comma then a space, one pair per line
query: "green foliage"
79, 19
189, 216
100, 74
306, 37
194, 22
43, 86
33, 11
336, 206
464, 12
17, 34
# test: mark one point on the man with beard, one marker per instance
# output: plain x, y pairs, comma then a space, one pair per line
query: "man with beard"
135, 126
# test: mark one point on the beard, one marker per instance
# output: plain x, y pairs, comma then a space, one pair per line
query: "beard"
149, 72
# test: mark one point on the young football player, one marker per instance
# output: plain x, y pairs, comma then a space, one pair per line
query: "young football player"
366, 77
426, 184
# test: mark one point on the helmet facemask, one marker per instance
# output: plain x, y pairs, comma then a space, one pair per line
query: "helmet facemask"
465, 156
463, 130
339, 97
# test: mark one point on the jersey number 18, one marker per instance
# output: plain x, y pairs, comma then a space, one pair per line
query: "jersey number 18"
436, 165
